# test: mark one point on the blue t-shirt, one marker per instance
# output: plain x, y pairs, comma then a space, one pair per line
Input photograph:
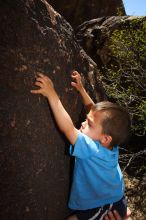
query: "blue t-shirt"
97, 178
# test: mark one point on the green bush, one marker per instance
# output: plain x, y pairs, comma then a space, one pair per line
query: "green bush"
124, 78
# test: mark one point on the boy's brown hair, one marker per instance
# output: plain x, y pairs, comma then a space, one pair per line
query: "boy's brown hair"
116, 122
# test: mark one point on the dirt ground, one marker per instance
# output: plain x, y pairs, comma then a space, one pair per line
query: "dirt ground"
136, 195
135, 184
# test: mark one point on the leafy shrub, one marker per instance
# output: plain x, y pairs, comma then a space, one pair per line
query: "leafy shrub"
124, 78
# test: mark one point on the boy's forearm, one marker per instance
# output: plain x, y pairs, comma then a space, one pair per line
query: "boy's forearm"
61, 116
87, 101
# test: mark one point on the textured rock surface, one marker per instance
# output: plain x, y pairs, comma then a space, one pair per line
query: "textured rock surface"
34, 167
78, 11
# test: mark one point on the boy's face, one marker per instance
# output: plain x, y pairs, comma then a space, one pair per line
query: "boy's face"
92, 126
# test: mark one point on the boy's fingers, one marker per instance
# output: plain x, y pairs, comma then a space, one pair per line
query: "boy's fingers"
36, 91
39, 79
77, 78
116, 214
42, 78
106, 218
74, 72
73, 84
74, 76
40, 74
38, 84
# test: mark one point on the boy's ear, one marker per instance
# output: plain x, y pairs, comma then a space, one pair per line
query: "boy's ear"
106, 140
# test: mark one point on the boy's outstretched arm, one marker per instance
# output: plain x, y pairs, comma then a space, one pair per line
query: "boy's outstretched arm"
87, 101
61, 116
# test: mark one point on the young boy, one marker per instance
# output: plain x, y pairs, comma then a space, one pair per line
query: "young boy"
97, 185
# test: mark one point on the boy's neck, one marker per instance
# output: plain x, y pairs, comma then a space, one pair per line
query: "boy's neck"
107, 146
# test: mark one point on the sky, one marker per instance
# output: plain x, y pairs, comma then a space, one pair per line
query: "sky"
135, 7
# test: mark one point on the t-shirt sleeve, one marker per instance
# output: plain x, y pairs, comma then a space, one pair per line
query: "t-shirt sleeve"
84, 147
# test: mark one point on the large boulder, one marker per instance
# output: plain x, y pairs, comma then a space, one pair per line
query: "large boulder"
35, 168
78, 11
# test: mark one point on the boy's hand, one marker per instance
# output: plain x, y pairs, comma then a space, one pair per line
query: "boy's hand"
45, 84
87, 101
78, 82
112, 216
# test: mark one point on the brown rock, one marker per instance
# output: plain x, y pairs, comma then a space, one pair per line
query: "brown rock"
35, 168
78, 11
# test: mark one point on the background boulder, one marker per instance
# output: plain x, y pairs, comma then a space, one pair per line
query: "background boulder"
117, 45
78, 11
35, 169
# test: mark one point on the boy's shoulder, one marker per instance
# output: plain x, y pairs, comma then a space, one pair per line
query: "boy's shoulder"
87, 146
88, 140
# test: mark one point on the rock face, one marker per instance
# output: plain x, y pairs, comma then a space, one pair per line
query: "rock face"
78, 11
35, 167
